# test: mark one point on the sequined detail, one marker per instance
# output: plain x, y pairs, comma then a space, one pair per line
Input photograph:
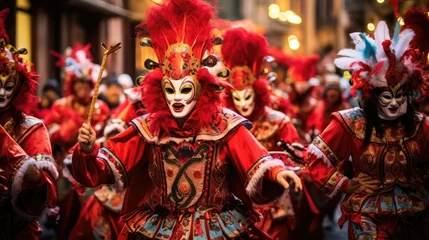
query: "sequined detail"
354, 120
25, 128
333, 182
110, 199
227, 120
202, 224
326, 150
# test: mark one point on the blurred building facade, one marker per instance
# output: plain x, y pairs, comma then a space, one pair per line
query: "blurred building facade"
44, 25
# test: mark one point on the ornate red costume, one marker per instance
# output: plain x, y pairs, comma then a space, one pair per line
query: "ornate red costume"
386, 141
27, 169
191, 168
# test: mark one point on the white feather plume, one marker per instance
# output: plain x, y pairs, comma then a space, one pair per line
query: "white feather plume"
357, 40
344, 62
403, 42
381, 33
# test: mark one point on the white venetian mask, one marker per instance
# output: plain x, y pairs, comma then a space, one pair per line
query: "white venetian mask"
180, 95
6, 92
244, 101
392, 104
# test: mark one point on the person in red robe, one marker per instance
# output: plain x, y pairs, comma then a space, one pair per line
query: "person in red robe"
27, 169
190, 167
386, 139
99, 218
332, 100
63, 122
250, 97
302, 70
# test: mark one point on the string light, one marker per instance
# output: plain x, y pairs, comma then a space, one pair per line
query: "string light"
380, 1
371, 26
293, 42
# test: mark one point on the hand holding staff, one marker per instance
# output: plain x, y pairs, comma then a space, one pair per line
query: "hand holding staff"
107, 52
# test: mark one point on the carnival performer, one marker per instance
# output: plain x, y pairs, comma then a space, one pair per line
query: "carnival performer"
250, 97
386, 139
302, 70
191, 168
27, 169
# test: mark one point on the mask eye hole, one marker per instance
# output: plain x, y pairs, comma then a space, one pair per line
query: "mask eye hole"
236, 99
388, 97
8, 88
169, 90
186, 90
248, 97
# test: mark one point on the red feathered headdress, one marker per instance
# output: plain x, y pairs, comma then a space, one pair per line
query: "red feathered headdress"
303, 68
418, 21
13, 69
3, 16
180, 34
243, 52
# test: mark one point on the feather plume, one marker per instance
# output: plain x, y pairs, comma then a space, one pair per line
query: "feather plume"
369, 53
344, 62
403, 42
418, 21
179, 21
3, 17
381, 33
396, 33
243, 48
351, 53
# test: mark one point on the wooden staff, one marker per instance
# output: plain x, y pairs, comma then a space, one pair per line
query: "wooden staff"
107, 52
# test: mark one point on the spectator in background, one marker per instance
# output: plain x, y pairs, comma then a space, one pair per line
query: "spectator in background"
125, 81
50, 93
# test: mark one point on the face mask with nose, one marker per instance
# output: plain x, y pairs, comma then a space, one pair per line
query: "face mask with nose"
392, 103
244, 101
180, 95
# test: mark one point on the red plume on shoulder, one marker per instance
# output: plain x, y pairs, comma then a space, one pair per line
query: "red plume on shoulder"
3, 17
418, 21
179, 21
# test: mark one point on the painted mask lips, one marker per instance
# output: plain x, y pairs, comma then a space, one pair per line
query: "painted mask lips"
244, 109
2, 99
178, 107
393, 110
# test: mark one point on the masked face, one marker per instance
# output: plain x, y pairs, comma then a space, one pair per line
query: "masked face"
180, 95
392, 104
244, 101
7, 90
7, 78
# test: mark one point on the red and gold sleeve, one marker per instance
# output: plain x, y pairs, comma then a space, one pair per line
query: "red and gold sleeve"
30, 198
288, 132
255, 167
325, 153
111, 164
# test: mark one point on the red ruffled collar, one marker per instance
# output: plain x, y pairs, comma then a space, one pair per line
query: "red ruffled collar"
161, 120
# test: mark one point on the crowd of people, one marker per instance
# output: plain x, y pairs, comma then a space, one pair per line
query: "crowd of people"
224, 137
